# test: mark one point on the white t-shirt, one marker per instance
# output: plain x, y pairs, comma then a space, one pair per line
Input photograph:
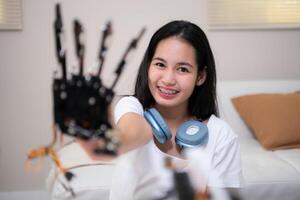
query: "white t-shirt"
141, 174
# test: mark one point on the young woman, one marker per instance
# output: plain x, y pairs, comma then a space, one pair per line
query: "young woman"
176, 77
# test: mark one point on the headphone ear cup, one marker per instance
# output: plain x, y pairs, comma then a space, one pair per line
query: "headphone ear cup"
160, 129
191, 134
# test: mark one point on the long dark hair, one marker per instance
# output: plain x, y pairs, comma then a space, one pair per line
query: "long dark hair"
202, 102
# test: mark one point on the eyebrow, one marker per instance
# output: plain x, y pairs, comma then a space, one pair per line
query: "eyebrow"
160, 59
179, 63
185, 63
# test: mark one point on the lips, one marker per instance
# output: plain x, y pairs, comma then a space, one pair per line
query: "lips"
167, 92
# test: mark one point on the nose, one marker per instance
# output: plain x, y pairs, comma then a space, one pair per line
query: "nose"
169, 77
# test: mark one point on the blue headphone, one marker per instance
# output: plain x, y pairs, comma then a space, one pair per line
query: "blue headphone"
191, 133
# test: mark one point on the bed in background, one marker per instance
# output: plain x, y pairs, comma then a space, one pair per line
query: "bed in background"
271, 171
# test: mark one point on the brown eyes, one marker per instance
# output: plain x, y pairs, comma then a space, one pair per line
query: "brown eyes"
180, 68
159, 64
183, 69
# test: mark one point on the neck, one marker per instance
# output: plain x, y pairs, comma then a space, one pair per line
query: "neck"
174, 115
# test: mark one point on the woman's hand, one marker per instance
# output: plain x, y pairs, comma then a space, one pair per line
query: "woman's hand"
132, 131
92, 147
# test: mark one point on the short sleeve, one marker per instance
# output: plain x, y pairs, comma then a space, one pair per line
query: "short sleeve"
226, 165
126, 105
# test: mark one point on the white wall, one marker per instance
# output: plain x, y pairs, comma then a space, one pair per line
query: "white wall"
27, 62
25, 195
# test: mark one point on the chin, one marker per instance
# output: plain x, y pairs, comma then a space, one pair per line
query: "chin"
167, 102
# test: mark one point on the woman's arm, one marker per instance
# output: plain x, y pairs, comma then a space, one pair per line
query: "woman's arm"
133, 131
130, 127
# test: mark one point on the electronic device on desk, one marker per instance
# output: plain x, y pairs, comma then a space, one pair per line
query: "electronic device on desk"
80, 100
192, 184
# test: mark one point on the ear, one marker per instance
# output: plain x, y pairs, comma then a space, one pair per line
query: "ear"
201, 77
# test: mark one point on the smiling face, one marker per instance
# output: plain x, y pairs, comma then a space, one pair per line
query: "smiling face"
173, 73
